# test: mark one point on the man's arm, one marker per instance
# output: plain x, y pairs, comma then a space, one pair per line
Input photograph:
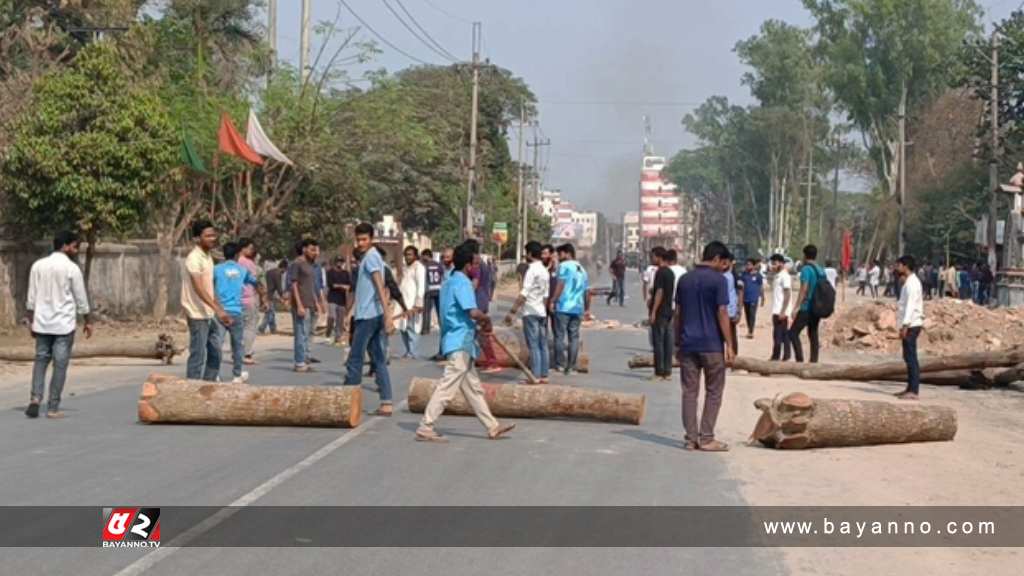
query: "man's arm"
81, 300
382, 294
559, 286
421, 288
659, 295
785, 300
30, 300
803, 294
197, 285
677, 326
482, 320
725, 325
300, 308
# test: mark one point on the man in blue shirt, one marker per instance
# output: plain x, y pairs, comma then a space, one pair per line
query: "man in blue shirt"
734, 300
459, 320
702, 325
810, 272
229, 281
752, 283
372, 325
570, 301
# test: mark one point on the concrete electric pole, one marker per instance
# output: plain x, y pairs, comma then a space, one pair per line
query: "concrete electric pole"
304, 41
522, 203
471, 185
902, 239
993, 166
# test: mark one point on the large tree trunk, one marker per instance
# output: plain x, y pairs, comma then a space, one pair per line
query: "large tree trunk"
881, 370
165, 246
163, 349
168, 399
797, 421
545, 401
516, 344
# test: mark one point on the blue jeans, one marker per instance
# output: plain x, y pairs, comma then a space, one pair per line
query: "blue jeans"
56, 348
269, 320
236, 331
567, 327
369, 335
910, 357
303, 329
618, 291
535, 330
203, 350
410, 338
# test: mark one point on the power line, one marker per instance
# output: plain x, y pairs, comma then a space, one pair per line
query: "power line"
416, 23
381, 38
413, 32
447, 13
667, 103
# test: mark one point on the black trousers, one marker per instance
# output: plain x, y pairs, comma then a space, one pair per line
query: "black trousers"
733, 322
661, 334
910, 357
750, 311
780, 338
804, 319
431, 303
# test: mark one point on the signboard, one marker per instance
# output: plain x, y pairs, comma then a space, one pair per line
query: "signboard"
499, 233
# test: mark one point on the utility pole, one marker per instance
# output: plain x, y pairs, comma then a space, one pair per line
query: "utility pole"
304, 41
810, 184
993, 166
833, 219
901, 243
536, 145
523, 227
471, 184
272, 30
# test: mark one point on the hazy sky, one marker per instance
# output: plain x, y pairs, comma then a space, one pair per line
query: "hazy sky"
597, 66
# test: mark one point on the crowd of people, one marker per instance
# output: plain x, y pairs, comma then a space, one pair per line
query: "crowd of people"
972, 281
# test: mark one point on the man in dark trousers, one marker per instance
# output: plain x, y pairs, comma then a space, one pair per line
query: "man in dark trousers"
805, 318
910, 316
753, 295
432, 300
782, 308
618, 270
660, 314
702, 327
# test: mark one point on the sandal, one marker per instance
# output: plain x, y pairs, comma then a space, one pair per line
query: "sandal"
714, 446
429, 435
384, 410
690, 445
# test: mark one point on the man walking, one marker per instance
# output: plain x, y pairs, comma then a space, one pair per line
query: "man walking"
809, 275
532, 301
275, 293
782, 308
753, 295
570, 302
660, 314
250, 304
733, 307
460, 319
702, 326
372, 325
432, 299
56, 297
339, 285
874, 276
618, 270
414, 291
306, 306
230, 278
201, 307
862, 278
910, 313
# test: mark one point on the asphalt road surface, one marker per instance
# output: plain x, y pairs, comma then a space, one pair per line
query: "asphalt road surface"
100, 456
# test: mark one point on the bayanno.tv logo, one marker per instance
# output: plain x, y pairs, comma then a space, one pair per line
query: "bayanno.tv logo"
131, 528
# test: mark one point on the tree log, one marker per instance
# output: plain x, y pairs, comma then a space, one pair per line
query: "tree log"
169, 399
797, 421
545, 401
163, 349
647, 361
516, 344
882, 370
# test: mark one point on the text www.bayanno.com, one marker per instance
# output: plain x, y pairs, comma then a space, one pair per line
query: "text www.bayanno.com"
860, 529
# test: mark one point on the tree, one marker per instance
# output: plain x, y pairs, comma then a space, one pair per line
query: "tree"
91, 151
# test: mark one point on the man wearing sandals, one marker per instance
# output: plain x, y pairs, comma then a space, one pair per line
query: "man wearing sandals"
460, 318
704, 333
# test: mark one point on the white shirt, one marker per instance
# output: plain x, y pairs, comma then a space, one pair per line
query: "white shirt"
413, 287
862, 274
783, 283
536, 283
648, 275
679, 271
56, 295
873, 275
832, 276
910, 311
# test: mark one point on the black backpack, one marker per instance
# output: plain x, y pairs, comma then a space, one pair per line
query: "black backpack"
823, 304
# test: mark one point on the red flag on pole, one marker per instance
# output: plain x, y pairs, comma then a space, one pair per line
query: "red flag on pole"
847, 250
231, 142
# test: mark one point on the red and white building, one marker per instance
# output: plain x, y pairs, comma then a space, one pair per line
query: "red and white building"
661, 215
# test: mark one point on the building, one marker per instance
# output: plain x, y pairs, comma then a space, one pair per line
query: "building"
586, 224
547, 203
660, 213
631, 232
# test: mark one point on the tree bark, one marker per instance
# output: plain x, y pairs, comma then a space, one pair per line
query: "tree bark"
881, 370
165, 246
516, 344
797, 421
163, 349
545, 401
168, 399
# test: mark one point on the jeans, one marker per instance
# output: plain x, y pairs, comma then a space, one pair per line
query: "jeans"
780, 338
691, 364
336, 314
910, 357
535, 331
303, 329
431, 303
567, 330
618, 291
804, 319
369, 335
237, 334
269, 321
410, 338
661, 333
750, 311
203, 350
56, 348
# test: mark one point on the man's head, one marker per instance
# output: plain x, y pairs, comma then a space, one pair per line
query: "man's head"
411, 254
547, 253
67, 242
462, 257
534, 250
715, 253
364, 235
427, 255
204, 234
778, 262
283, 264
448, 256
473, 245
658, 256
750, 265
232, 250
829, 264
671, 257
247, 248
566, 252
728, 261
339, 263
810, 253
310, 249
906, 265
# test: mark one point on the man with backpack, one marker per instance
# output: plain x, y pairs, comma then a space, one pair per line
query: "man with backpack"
815, 301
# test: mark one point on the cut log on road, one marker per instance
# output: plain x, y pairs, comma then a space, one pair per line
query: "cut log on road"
545, 401
515, 342
647, 361
163, 349
797, 421
882, 370
172, 400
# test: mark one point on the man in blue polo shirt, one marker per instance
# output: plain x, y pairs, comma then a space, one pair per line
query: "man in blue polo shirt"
459, 320
569, 303
229, 281
703, 331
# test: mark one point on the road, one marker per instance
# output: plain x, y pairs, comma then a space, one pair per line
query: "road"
101, 456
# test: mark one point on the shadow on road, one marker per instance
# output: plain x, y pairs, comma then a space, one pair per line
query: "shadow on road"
651, 437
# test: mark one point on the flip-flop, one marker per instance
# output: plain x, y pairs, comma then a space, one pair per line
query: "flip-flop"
382, 412
714, 446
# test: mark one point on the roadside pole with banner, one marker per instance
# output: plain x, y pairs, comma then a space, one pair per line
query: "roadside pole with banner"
499, 233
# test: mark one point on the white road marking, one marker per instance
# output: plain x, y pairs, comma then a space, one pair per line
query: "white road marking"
143, 564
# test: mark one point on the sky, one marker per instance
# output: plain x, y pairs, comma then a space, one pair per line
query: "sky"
596, 66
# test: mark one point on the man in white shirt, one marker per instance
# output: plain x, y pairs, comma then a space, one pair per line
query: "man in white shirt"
647, 277
910, 316
831, 273
782, 307
677, 269
532, 300
414, 291
874, 275
862, 279
56, 297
